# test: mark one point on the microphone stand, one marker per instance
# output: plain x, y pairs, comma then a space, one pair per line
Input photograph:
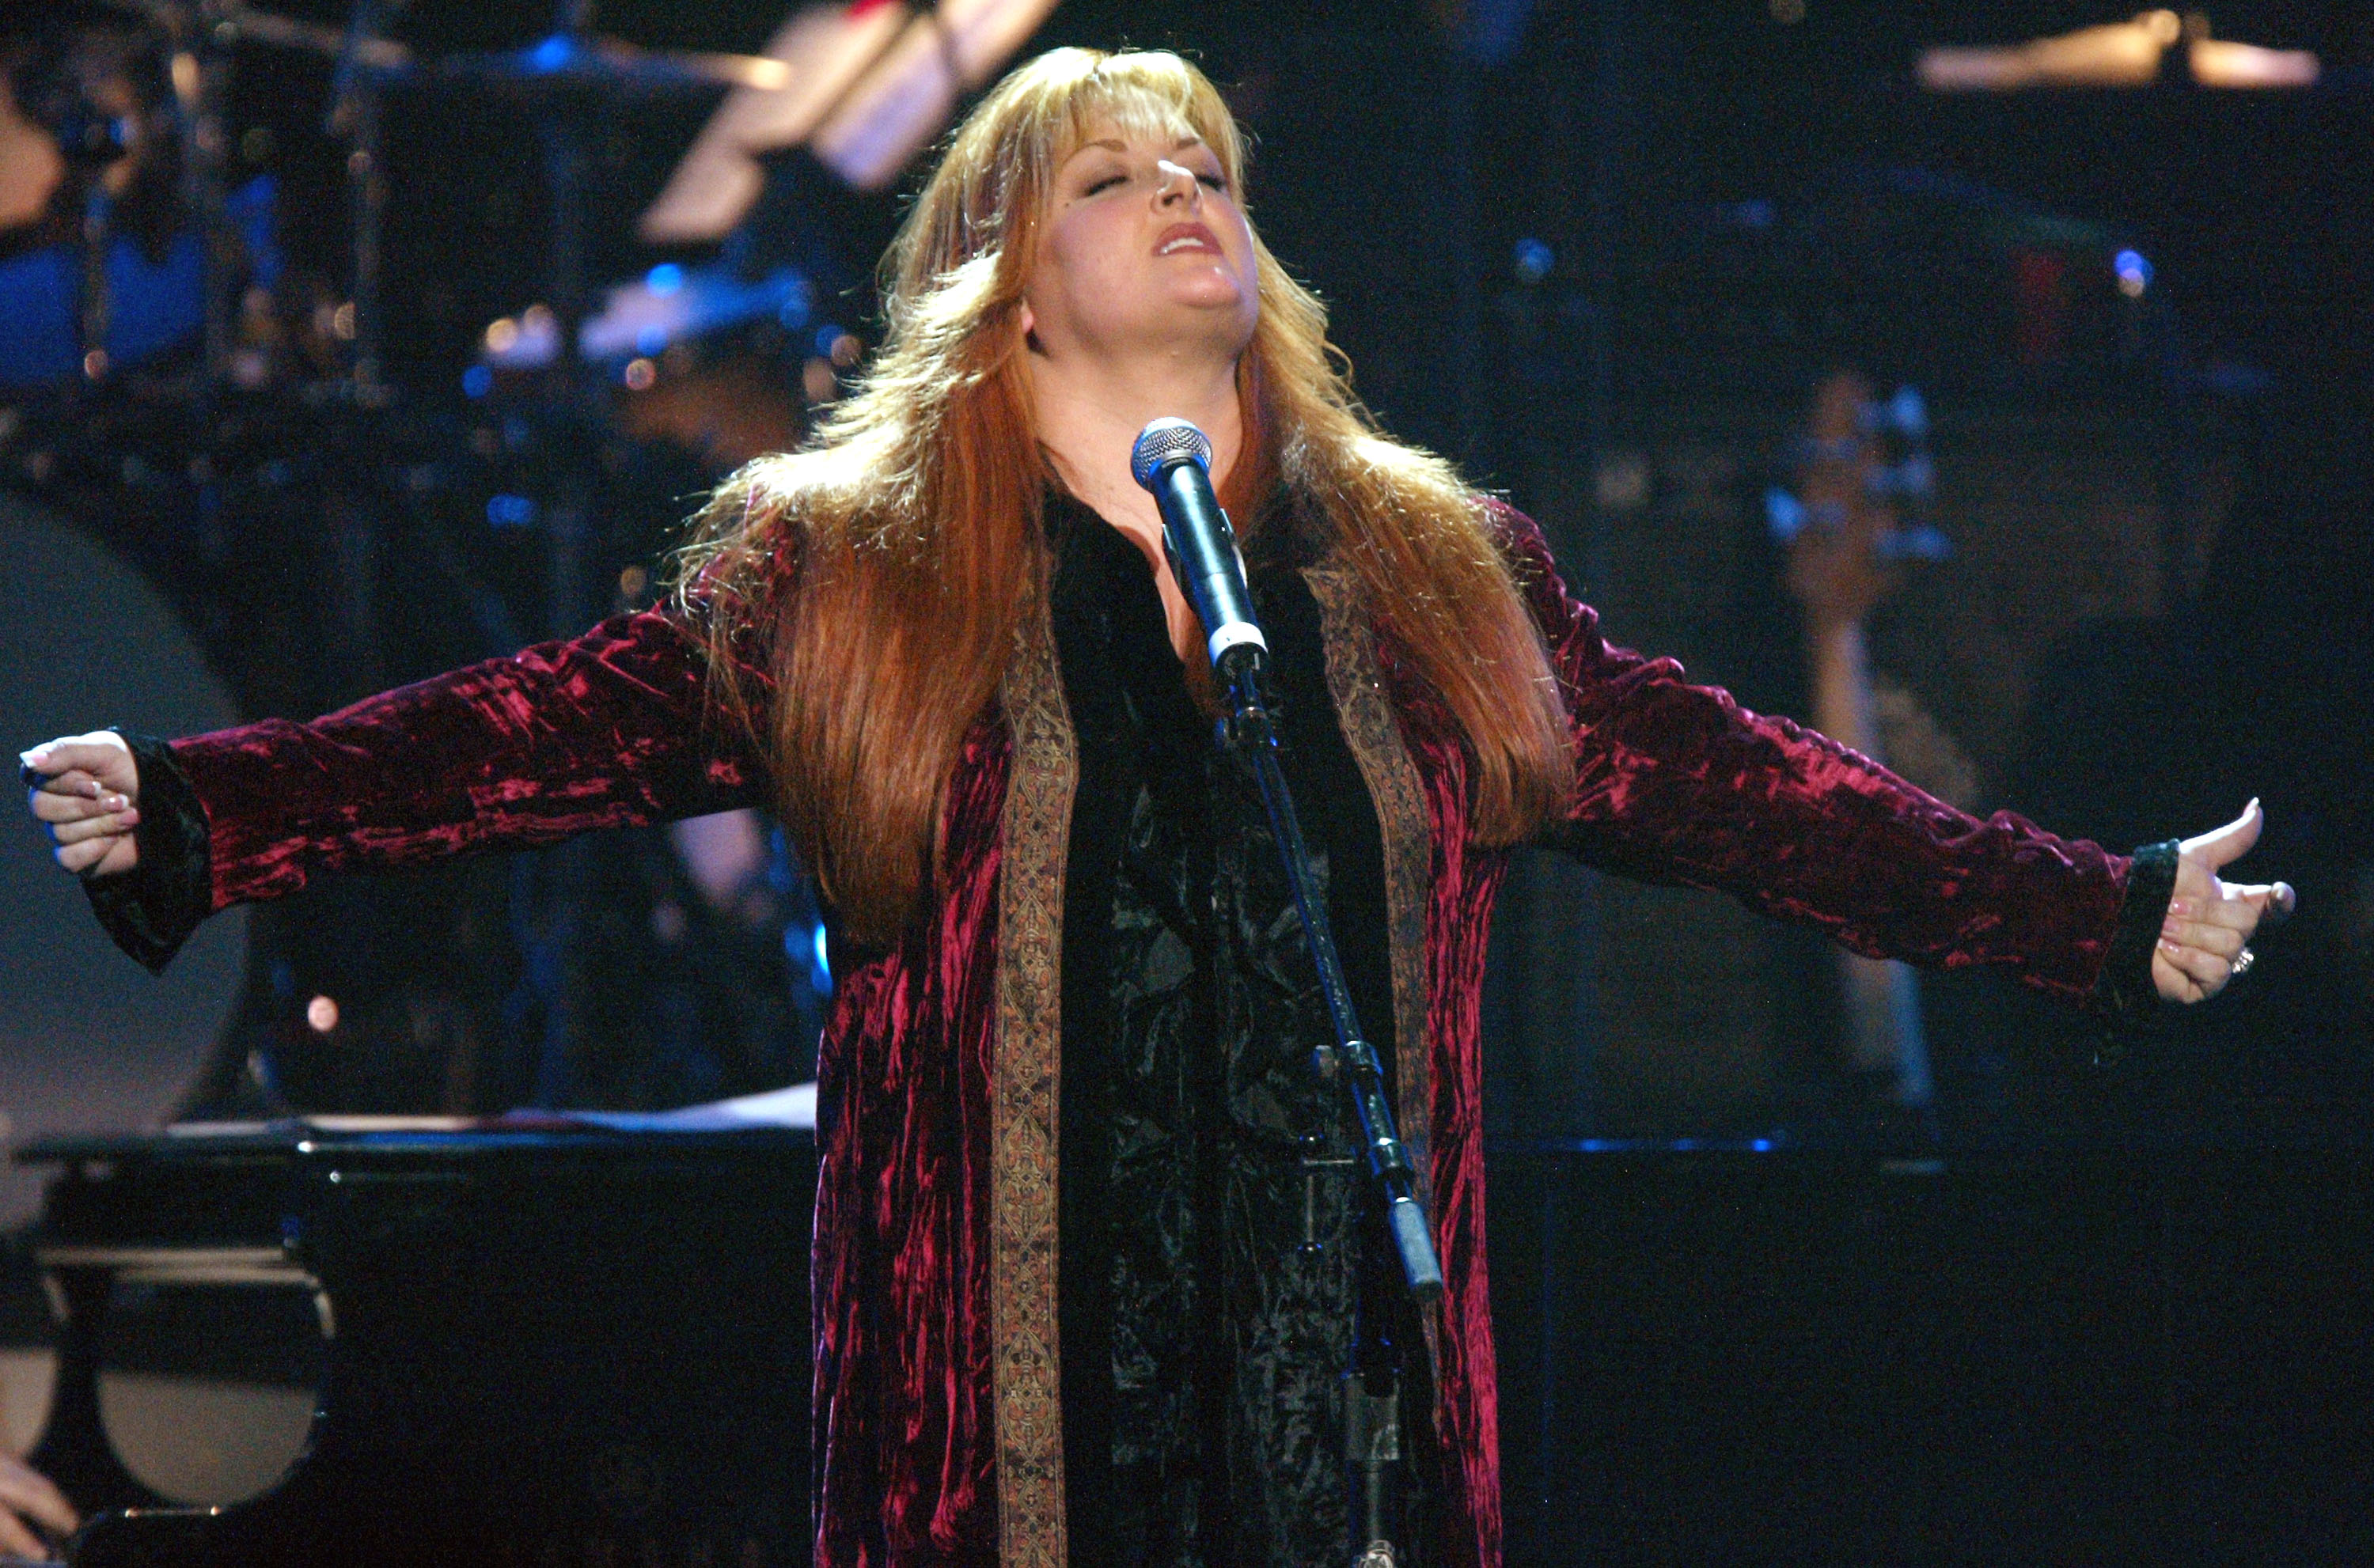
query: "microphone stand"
1250, 733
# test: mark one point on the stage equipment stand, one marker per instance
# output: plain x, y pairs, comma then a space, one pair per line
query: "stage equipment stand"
1172, 459
1372, 1434
566, 89
354, 115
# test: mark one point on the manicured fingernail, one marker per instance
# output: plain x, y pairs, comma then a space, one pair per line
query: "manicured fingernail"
2166, 946
128, 818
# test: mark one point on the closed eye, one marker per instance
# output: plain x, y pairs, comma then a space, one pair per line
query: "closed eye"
1103, 182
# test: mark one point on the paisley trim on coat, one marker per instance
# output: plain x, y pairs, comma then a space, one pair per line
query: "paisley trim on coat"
1374, 736
1026, 1370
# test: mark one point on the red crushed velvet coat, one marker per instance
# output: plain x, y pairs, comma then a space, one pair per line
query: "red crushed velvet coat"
938, 1414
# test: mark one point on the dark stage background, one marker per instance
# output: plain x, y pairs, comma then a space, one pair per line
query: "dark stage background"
1602, 253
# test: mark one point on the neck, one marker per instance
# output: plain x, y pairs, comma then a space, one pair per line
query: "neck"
1089, 418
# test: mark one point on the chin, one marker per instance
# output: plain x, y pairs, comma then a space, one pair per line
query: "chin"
1227, 325
1212, 290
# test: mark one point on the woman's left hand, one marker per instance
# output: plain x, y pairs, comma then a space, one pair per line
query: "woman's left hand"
2203, 943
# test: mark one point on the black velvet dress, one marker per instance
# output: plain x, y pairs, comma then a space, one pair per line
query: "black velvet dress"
1223, 1267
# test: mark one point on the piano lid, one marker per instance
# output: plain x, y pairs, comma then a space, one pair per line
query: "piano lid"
776, 1113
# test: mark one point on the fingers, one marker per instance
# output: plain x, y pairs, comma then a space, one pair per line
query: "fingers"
100, 756
110, 825
53, 808
2224, 940
77, 819
26, 1491
2208, 920
2222, 922
84, 789
2227, 843
86, 855
2245, 908
2200, 974
103, 855
72, 784
2226, 907
108, 856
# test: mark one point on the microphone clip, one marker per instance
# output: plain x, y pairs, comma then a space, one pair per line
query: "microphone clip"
1251, 719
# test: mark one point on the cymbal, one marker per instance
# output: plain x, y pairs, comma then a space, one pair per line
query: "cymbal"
564, 63
560, 63
382, 55
234, 22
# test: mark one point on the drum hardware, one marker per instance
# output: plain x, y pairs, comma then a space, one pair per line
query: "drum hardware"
601, 64
201, 77
96, 207
354, 113
548, 892
566, 82
568, 68
202, 454
99, 120
197, 46
569, 60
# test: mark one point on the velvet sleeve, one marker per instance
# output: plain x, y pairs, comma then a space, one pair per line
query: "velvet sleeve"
1678, 783
613, 729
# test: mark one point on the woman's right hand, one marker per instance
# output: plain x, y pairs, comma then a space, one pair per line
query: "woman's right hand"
86, 789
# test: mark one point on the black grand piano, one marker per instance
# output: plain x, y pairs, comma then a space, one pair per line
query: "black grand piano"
559, 1344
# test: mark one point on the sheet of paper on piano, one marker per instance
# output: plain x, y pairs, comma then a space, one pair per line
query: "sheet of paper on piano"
794, 1106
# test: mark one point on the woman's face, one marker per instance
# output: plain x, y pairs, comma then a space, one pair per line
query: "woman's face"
1142, 247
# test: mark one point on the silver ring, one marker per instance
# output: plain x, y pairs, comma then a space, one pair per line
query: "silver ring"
2242, 962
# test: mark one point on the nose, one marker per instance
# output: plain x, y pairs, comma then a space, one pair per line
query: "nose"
1176, 181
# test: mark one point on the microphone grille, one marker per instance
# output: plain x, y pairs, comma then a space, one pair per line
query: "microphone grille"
1165, 444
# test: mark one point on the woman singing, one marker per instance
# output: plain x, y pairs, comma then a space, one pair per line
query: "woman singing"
1097, 1278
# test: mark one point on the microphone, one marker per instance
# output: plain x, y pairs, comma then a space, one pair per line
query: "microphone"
1173, 460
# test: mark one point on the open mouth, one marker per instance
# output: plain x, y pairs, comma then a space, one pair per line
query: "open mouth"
1195, 237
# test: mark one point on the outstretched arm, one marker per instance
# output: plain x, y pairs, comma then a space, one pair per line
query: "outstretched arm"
1677, 783
608, 730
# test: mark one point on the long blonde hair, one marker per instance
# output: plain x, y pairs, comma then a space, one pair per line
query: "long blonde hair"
887, 566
